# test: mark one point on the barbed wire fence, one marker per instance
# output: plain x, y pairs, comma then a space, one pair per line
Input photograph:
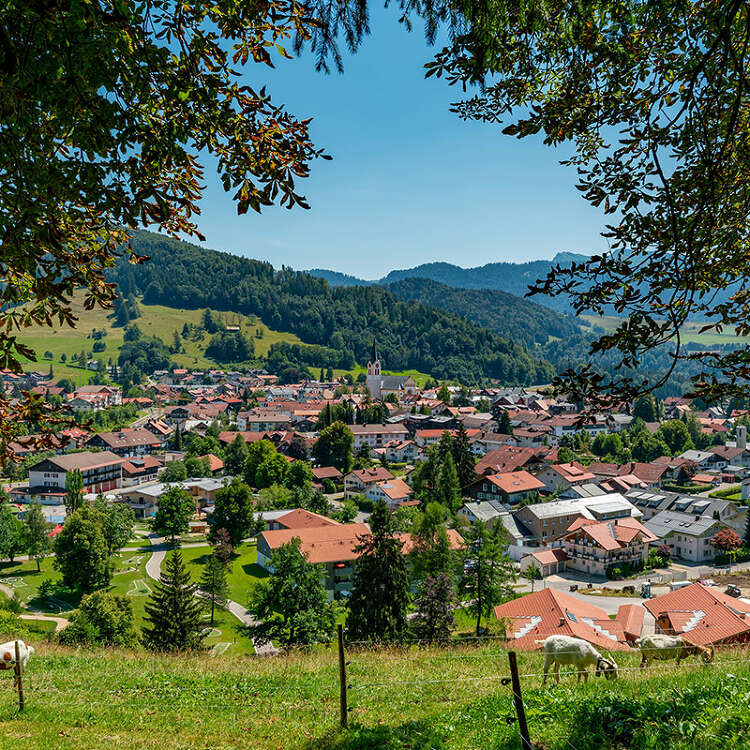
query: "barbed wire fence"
356, 663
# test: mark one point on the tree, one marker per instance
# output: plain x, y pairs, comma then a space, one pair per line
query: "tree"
675, 434
235, 456
463, 458
646, 447
726, 540
213, 584
223, 549
487, 572
176, 508
197, 467
299, 474
347, 511
504, 426
118, 520
448, 488
91, 193
12, 539
435, 604
233, 512
444, 394
645, 408
272, 471
73, 491
292, 603
257, 453
81, 552
35, 531
173, 611
531, 574
380, 593
334, 447
675, 175
174, 471
102, 619
431, 552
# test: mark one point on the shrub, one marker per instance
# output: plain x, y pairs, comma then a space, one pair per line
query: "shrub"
614, 573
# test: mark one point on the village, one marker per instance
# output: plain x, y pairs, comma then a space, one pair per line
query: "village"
604, 549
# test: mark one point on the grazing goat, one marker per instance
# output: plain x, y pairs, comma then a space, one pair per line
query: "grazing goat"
8, 654
663, 647
564, 649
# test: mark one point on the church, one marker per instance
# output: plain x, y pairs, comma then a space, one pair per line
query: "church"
381, 385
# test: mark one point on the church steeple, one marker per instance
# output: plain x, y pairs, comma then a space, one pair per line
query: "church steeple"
373, 366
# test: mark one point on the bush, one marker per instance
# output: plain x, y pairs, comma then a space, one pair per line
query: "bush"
328, 486
742, 555
614, 573
685, 489
364, 504
727, 492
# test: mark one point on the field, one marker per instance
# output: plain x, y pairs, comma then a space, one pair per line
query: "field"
426, 698
155, 320
690, 332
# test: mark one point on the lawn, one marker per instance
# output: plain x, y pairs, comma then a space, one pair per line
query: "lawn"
245, 571
22, 577
415, 698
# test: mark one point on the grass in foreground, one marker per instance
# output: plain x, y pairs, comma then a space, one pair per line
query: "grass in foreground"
410, 698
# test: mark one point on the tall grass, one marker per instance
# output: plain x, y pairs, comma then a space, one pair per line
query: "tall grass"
399, 698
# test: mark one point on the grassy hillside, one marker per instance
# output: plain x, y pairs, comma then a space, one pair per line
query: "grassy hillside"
155, 320
414, 698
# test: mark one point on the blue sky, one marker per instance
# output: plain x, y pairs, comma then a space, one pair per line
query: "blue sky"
409, 182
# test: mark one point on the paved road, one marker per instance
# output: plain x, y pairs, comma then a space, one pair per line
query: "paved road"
153, 569
60, 622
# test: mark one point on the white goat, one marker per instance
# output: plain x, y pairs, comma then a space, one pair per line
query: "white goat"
663, 647
8, 654
564, 649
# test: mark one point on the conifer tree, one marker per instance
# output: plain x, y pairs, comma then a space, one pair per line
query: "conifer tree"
504, 425
214, 584
463, 457
487, 571
35, 527
380, 595
448, 489
73, 491
172, 611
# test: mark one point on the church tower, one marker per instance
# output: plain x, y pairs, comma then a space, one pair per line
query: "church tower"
374, 382
373, 366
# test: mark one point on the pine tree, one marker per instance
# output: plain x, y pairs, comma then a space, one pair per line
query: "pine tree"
463, 458
448, 489
73, 491
504, 425
435, 604
487, 571
37, 541
173, 611
214, 584
380, 595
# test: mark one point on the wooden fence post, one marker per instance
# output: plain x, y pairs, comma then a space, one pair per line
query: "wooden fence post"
19, 677
342, 678
518, 700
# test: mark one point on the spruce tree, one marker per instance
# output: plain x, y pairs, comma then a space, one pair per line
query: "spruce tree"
504, 425
173, 611
487, 572
448, 489
73, 491
463, 458
380, 595
214, 584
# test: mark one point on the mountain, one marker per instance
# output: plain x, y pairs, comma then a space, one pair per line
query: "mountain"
518, 319
340, 322
513, 278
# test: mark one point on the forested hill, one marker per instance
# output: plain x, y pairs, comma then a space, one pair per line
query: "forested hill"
513, 278
518, 319
410, 335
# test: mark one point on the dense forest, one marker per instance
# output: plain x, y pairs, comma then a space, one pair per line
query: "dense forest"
410, 335
519, 320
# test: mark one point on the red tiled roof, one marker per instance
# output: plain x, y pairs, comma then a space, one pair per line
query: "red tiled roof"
321, 544
573, 472
536, 616
373, 474
702, 614
304, 519
515, 481
547, 556
630, 616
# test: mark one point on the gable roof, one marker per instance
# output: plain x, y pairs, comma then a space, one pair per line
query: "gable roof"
515, 481
536, 616
299, 518
702, 614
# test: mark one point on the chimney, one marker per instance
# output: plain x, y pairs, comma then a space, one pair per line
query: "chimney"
741, 436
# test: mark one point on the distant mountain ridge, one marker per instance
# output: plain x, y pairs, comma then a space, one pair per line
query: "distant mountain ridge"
513, 278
